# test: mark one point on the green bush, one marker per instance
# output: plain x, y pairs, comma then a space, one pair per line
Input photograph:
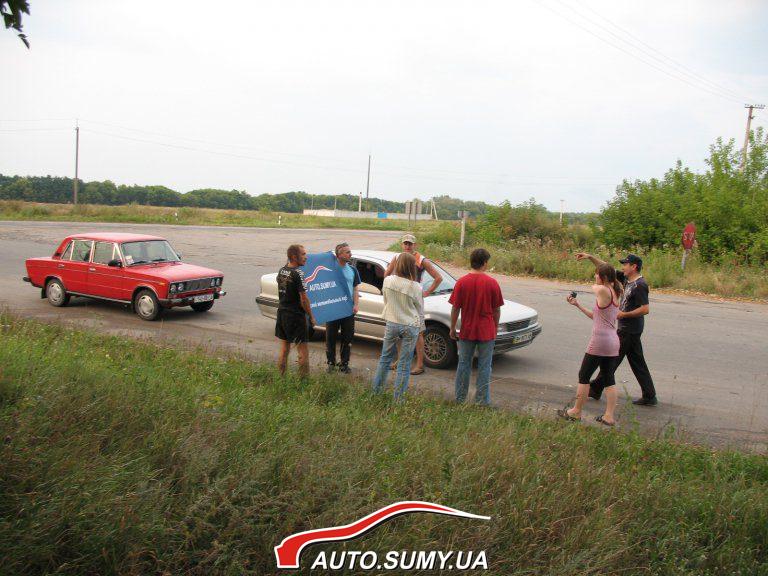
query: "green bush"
728, 206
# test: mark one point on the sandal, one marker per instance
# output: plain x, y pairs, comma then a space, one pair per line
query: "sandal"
417, 372
604, 422
563, 413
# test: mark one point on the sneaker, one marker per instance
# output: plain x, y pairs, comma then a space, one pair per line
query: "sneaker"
331, 368
645, 401
345, 369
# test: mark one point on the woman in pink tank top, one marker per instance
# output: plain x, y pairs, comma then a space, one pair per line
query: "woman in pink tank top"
603, 348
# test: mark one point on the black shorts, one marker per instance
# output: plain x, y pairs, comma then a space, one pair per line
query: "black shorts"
292, 326
607, 365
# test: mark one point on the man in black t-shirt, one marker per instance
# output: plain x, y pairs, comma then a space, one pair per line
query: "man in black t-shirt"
632, 310
294, 312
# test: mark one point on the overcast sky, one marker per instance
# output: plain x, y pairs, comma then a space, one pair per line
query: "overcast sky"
480, 100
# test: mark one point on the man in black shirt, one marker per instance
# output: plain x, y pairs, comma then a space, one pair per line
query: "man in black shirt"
634, 306
294, 310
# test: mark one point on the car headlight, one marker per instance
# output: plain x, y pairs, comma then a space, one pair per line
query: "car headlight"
534, 320
213, 282
180, 286
172, 288
219, 281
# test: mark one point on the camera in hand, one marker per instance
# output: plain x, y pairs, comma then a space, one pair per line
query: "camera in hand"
573, 294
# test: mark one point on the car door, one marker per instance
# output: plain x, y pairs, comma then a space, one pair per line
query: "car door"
74, 271
369, 320
104, 280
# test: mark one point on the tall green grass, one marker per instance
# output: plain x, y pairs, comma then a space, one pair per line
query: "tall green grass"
18, 210
123, 458
661, 267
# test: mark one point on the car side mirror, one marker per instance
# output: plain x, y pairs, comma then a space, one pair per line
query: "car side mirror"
179, 255
115, 263
56, 254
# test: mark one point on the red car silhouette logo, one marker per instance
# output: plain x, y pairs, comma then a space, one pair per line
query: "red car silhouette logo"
289, 550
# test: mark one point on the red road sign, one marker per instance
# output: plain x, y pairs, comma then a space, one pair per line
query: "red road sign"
689, 235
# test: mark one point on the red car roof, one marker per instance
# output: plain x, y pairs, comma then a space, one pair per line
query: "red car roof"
115, 237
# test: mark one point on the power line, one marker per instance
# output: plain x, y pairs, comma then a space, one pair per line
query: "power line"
219, 153
636, 57
292, 163
407, 168
32, 129
449, 175
676, 63
210, 143
37, 120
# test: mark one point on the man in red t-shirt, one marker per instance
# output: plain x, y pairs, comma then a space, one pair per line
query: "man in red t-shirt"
477, 298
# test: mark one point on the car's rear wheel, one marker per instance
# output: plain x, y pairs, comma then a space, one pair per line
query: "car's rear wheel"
439, 349
146, 305
56, 294
202, 306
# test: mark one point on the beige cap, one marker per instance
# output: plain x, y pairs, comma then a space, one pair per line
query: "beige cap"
408, 238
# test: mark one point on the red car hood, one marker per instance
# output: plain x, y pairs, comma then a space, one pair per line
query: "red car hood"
174, 271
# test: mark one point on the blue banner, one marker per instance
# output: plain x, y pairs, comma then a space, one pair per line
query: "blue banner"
327, 288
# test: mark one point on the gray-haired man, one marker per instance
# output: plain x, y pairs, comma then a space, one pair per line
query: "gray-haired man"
346, 325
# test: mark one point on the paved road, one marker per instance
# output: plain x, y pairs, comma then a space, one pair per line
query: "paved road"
709, 358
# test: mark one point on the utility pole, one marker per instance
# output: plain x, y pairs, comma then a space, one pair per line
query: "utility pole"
77, 160
750, 108
360, 202
562, 203
463, 214
368, 182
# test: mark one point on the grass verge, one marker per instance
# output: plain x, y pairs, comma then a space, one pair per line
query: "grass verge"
660, 267
123, 458
18, 210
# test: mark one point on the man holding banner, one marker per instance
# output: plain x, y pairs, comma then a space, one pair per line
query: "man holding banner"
347, 323
333, 297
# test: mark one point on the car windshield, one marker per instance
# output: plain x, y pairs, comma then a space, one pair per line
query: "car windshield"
446, 285
148, 251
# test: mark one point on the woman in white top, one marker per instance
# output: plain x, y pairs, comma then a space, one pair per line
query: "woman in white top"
403, 310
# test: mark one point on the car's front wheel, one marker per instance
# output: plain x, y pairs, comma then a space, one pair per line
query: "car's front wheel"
439, 349
146, 305
202, 306
56, 294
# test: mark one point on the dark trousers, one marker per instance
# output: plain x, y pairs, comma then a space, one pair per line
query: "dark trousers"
347, 327
631, 347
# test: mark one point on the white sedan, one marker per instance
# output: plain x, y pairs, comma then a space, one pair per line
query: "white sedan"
518, 325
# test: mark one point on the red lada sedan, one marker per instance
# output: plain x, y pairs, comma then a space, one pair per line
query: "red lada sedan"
141, 271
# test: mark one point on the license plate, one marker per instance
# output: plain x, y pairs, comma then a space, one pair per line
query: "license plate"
203, 298
522, 338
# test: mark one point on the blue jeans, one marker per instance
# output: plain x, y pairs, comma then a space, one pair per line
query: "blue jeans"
484, 360
392, 334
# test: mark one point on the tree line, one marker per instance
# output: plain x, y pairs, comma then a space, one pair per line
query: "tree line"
55, 189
